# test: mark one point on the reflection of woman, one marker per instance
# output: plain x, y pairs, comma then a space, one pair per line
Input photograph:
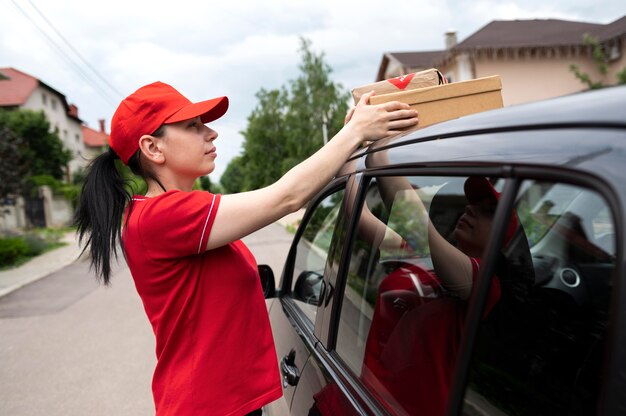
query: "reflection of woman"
413, 340
198, 282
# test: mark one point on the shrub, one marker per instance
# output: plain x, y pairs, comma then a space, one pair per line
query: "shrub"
36, 245
11, 250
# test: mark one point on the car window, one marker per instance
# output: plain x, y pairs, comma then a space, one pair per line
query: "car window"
313, 249
411, 273
540, 353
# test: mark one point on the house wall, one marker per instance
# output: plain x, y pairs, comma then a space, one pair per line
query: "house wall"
69, 129
93, 152
12, 216
526, 79
58, 210
532, 79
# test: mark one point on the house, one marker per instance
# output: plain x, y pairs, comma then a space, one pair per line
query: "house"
95, 141
532, 57
21, 90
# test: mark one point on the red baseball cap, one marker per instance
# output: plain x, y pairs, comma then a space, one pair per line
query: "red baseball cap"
477, 189
151, 106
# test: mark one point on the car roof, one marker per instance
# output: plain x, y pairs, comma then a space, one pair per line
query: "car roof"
603, 107
579, 131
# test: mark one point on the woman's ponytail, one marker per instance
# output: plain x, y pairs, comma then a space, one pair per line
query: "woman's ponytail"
102, 201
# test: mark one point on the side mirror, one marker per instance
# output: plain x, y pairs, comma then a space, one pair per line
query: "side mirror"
267, 280
308, 287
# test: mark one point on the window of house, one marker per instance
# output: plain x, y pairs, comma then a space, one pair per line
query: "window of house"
541, 351
44, 99
53, 103
315, 246
413, 265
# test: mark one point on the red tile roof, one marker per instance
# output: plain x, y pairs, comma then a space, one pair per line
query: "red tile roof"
15, 87
94, 138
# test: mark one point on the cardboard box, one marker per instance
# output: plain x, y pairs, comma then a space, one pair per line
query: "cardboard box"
422, 79
445, 102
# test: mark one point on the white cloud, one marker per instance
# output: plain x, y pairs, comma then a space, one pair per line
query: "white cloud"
208, 48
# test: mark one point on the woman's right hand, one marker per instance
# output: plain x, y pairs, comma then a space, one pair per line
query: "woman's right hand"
374, 122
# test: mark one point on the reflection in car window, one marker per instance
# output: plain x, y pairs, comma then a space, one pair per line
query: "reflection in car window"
410, 278
540, 352
313, 249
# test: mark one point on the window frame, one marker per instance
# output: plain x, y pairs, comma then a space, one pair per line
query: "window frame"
284, 293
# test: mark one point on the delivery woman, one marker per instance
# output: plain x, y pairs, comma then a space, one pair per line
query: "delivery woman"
197, 280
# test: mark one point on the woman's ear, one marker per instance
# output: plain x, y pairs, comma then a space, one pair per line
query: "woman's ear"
149, 146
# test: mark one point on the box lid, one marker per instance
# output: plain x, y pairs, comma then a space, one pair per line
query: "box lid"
427, 78
442, 92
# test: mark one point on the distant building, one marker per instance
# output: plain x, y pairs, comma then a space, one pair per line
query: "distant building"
21, 90
533, 57
95, 141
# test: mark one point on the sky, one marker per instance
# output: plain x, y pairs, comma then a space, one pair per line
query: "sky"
96, 53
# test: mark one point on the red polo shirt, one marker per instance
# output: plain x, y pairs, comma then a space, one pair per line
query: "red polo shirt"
414, 339
214, 346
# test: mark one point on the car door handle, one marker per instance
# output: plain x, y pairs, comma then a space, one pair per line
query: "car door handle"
291, 374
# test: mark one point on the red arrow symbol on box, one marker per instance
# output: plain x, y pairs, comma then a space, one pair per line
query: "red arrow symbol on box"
402, 81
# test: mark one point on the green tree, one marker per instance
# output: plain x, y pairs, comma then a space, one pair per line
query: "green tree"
315, 104
12, 166
288, 124
265, 139
204, 183
42, 150
600, 58
232, 179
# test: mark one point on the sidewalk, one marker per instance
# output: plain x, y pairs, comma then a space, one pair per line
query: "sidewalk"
40, 266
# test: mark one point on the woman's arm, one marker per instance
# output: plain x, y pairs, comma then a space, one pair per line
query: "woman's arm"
241, 214
451, 265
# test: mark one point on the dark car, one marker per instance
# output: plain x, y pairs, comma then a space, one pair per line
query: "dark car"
366, 319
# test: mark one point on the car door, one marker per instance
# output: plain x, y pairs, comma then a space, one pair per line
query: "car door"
397, 325
310, 258
530, 338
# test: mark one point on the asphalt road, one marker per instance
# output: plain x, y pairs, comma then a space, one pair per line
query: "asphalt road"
70, 347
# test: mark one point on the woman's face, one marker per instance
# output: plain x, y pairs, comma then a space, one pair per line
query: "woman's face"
189, 149
472, 228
